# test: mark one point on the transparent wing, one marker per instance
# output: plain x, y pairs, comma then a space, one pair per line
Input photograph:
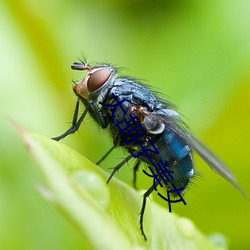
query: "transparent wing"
176, 125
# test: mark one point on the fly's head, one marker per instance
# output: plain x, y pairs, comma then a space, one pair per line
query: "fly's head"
95, 80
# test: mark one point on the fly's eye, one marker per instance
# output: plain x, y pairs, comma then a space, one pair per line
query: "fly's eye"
97, 79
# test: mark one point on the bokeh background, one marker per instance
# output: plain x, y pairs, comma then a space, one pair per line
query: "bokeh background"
195, 52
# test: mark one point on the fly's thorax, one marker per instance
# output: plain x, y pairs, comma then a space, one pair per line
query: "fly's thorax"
92, 86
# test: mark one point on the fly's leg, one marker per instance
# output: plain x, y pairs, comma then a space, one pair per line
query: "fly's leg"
136, 167
75, 124
145, 196
105, 155
118, 167
99, 116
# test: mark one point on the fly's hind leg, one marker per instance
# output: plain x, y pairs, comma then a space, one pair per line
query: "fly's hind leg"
136, 167
145, 196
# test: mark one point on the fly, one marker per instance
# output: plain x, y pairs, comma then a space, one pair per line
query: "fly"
164, 131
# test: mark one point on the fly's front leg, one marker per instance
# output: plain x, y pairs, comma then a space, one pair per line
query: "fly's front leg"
75, 124
97, 114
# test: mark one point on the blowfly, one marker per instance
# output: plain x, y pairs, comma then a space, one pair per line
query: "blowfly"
148, 127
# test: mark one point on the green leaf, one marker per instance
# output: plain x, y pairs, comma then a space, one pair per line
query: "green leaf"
107, 216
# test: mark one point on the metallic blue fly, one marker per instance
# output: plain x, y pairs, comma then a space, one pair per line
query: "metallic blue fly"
148, 127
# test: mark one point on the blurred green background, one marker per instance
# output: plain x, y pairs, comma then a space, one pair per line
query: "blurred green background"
197, 53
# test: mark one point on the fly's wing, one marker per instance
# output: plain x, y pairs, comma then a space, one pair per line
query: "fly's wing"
212, 160
174, 123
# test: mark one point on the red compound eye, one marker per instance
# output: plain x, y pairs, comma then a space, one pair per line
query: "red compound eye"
97, 79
